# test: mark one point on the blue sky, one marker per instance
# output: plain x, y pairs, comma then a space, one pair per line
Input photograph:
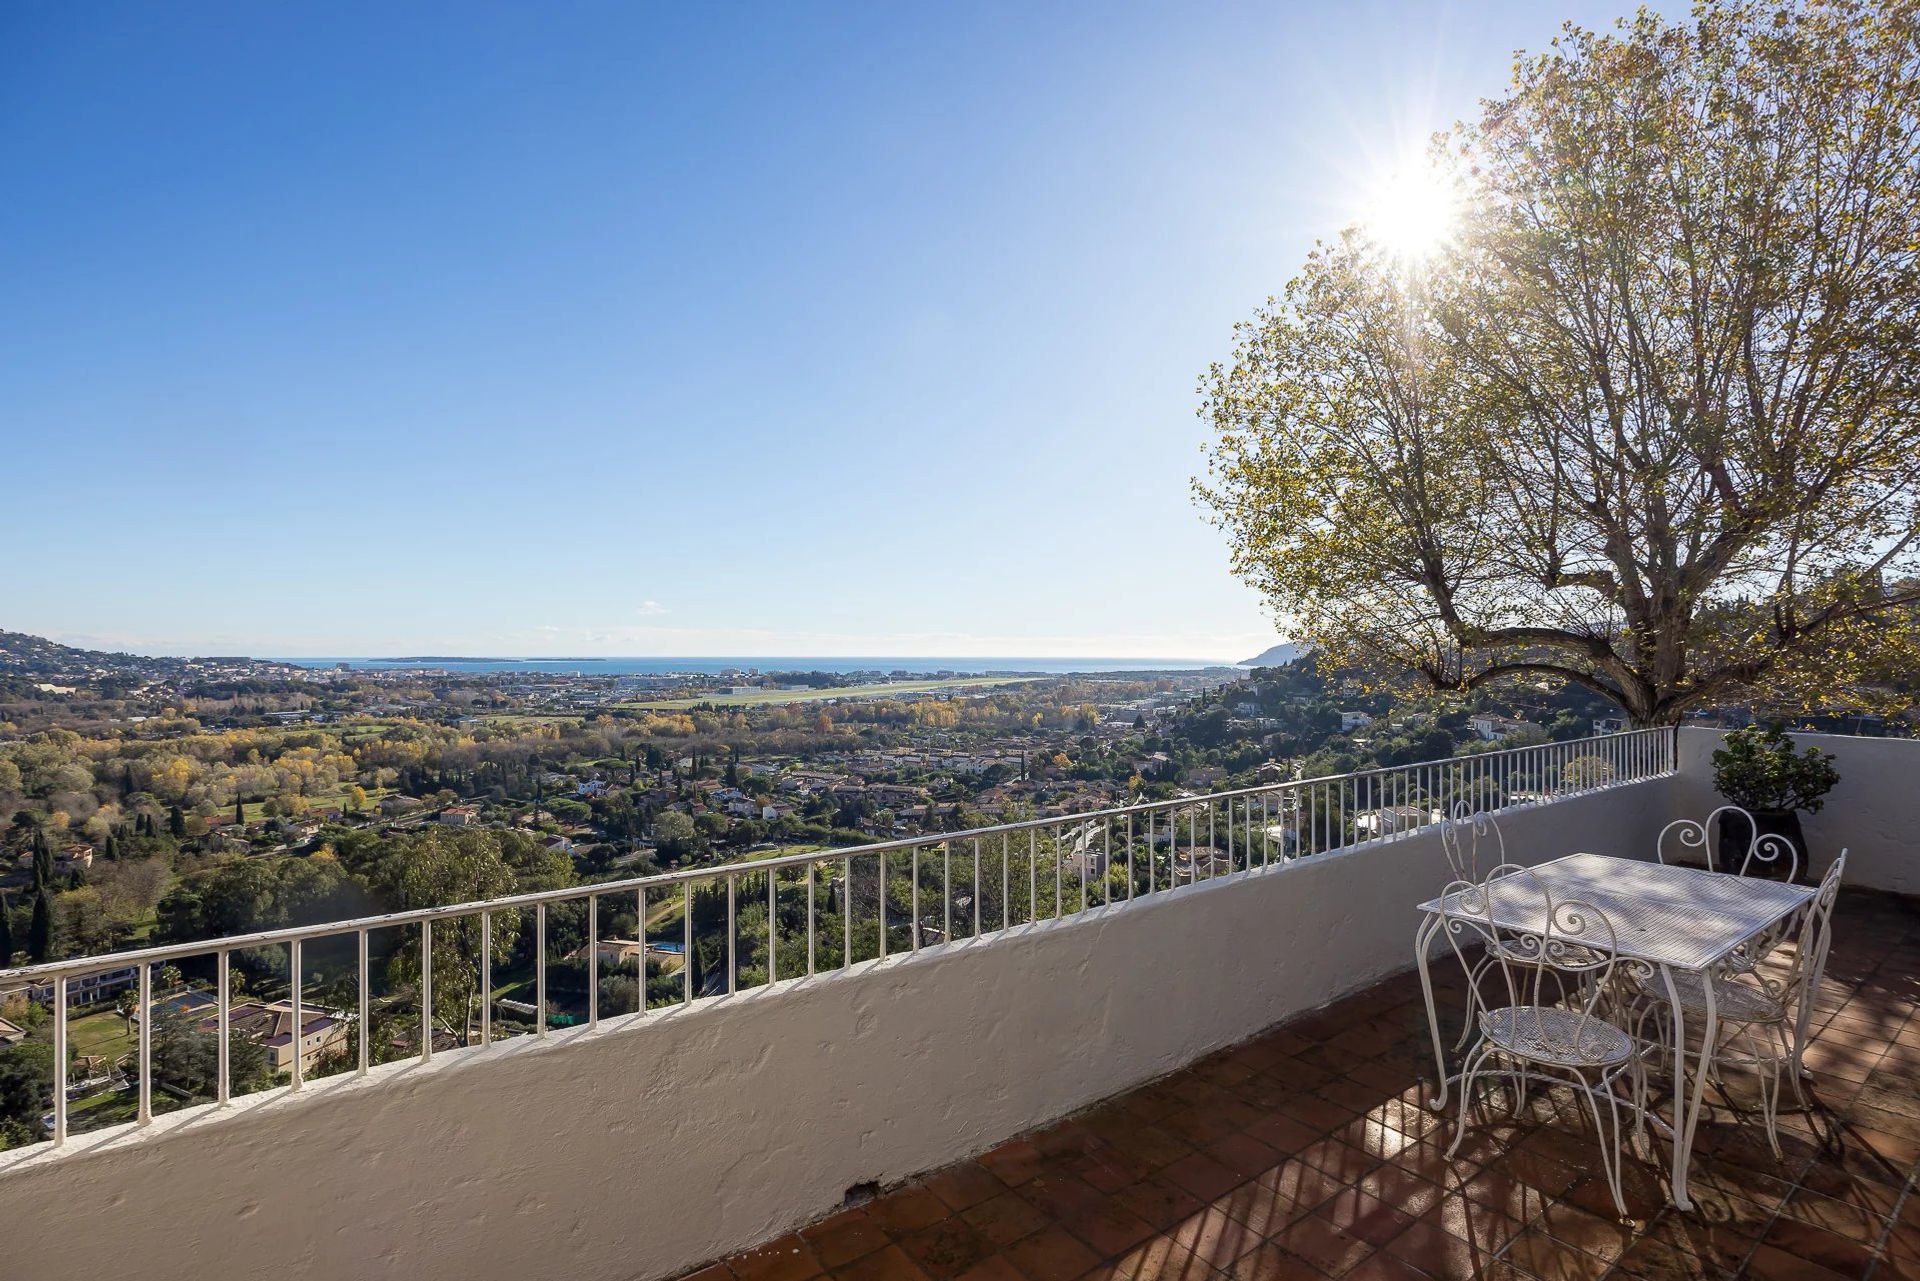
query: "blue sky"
644, 329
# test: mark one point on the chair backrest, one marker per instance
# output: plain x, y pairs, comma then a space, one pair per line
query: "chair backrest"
1816, 933
1462, 833
1545, 951
1762, 851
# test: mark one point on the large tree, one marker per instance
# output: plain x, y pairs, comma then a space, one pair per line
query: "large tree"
1649, 420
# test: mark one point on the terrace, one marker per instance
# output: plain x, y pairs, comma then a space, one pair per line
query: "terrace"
1214, 1073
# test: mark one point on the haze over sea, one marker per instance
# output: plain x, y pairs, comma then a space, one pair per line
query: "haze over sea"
708, 666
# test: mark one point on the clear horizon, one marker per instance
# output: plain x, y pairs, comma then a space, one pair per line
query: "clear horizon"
600, 330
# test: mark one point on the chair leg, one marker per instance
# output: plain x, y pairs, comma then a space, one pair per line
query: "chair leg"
1766, 1072
1609, 1143
1790, 1050
1467, 1075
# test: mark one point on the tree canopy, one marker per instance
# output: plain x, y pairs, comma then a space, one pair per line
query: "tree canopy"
1646, 421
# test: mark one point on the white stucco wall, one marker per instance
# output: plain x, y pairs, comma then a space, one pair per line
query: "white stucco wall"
1874, 813
658, 1143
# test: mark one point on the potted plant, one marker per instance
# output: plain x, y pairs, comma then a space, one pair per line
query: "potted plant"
1760, 770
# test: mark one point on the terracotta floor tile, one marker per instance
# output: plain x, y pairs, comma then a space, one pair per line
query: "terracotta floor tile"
960, 1186
1770, 1264
1438, 1253
1203, 1176
1538, 1254
1214, 1236
1013, 1163
992, 1268
1271, 1263
1051, 1254
712, 1272
946, 1249
1817, 1245
906, 1210
1367, 1217
1059, 1194
890, 1264
843, 1238
1108, 1228
1324, 1244
1379, 1266
1158, 1258
1006, 1218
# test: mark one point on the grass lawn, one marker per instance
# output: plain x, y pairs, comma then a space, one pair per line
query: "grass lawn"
109, 1107
103, 1033
774, 697
256, 811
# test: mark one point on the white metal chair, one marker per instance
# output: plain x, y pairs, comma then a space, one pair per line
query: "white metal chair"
1553, 973
1763, 1016
1462, 835
1462, 832
1763, 852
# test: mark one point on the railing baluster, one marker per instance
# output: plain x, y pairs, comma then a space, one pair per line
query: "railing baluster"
773, 926
485, 996
593, 960
540, 969
145, 1108
1033, 878
880, 861
223, 1052
846, 910
1053, 861
1006, 882
426, 991
1129, 855
913, 897
810, 927
1106, 862
686, 944
976, 887
298, 1026
733, 934
59, 1064
946, 891
486, 983
640, 965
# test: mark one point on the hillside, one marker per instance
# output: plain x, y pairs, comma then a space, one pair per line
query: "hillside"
23, 655
1275, 656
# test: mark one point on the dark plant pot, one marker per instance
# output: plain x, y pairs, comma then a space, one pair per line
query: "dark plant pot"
1736, 837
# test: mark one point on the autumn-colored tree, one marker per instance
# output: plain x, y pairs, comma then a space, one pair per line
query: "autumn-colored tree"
1647, 421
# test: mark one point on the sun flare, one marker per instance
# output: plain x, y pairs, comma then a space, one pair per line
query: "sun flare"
1412, 211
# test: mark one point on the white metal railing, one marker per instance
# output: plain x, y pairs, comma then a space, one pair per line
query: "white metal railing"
825, 910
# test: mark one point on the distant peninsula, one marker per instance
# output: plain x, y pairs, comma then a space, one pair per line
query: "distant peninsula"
1276, 656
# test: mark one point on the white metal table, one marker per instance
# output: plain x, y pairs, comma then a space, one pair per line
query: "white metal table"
1665, 919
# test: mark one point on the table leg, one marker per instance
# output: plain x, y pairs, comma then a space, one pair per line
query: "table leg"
1422, 940
1686, 1112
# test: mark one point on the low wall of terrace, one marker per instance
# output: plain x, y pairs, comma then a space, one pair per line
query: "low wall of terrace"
1874, 813
657, 1142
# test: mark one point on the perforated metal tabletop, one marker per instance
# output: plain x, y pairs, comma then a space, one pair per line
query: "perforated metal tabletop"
1683, 917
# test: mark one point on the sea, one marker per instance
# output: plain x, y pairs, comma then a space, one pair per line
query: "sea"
714, 666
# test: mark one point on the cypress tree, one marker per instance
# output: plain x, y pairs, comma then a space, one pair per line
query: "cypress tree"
40, 929
177, 823
42, 859
6, 931
239, 811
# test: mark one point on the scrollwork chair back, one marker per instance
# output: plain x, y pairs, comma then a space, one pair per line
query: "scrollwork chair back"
1692, 834
1461, 835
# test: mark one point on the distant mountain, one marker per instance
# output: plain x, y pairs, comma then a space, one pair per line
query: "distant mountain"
1277, 656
